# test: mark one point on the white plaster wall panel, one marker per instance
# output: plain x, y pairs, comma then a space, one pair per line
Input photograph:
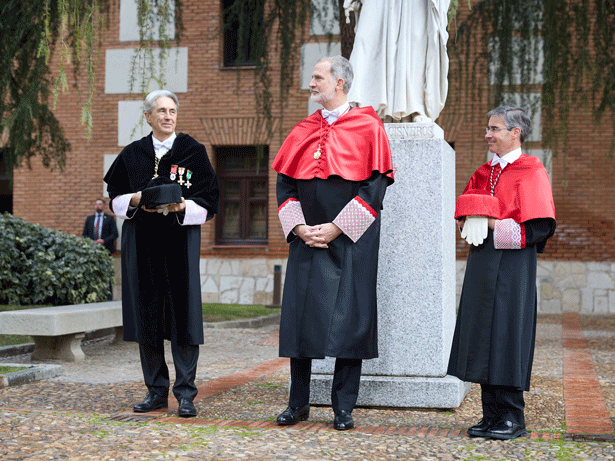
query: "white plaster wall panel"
310, 54
129, 29
534, 48
325, 18
131, 124
119, 67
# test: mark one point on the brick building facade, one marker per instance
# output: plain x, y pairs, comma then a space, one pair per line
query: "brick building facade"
217, 107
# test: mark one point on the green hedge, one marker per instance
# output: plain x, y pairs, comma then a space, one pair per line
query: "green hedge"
45, 266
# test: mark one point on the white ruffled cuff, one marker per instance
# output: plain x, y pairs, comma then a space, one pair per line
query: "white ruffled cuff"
120, 206
195, 214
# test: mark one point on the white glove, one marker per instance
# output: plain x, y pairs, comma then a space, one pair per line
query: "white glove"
475, 229
164, 210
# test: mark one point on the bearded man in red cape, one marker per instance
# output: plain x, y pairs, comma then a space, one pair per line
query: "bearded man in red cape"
333, 171
506, 214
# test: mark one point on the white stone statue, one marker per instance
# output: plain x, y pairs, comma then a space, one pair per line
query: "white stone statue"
399, 57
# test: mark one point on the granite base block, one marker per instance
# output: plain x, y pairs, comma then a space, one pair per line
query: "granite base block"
397, 391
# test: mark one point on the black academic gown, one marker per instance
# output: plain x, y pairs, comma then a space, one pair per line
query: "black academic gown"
161, 295
329, 303
495, 330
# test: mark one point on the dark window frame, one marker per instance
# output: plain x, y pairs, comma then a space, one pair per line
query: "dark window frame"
234, 53
245, 177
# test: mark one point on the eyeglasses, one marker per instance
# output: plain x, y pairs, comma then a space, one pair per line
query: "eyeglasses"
494, 129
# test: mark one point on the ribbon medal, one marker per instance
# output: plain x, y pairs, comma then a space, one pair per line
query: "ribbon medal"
182, 170
173, 172
188, 176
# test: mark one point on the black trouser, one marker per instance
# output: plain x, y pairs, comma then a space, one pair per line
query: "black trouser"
503, 403
156, 372
345, 388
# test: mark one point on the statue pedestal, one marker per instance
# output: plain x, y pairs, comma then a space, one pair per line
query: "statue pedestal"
416, 281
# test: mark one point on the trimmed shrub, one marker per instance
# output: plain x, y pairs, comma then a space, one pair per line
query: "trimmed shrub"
46, 266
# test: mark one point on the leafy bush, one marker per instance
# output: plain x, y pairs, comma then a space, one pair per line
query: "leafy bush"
46, 266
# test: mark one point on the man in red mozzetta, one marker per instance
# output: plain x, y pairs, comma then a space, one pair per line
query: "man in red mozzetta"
506, 214
333, 171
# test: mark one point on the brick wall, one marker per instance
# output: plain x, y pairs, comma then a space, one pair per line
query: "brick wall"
219, 107
217, 98
582, 176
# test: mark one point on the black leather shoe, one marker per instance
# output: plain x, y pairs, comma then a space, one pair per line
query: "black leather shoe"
343, 420
480, 429
292, 416
152, 402
506, 430
186, 408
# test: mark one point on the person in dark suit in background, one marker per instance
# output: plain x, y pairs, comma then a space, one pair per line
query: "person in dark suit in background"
101, 227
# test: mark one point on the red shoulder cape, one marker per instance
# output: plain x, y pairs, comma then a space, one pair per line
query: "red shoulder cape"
352, 147
523, 191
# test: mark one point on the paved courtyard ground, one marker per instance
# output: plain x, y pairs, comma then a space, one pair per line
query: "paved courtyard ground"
85, 413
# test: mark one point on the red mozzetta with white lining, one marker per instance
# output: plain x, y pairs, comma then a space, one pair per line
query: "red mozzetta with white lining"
291, 215
355, 218
353, 147
523, 190
508, 235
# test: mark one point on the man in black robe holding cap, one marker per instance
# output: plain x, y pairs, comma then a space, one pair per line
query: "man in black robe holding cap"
164, 186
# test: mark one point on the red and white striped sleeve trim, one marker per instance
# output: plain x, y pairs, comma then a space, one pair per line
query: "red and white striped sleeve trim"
508, 235
355, 218
291, 215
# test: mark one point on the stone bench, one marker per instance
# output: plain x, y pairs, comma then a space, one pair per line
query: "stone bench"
57, 331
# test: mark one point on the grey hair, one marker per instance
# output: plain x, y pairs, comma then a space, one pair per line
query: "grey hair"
340, 68
514, 116
150, 99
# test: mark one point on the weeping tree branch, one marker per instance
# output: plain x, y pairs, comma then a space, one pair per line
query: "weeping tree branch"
573, 42
31, 30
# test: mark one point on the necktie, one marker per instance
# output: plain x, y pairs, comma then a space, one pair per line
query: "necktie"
97, 227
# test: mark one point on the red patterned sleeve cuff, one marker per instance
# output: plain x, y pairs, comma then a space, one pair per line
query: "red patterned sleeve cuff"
355, 218
508, 235
291, 215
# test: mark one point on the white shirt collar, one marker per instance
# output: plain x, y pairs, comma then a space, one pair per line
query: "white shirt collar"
506, 159
332, 115
162, 147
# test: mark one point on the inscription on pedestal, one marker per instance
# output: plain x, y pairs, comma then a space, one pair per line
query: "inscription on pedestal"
413, 131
